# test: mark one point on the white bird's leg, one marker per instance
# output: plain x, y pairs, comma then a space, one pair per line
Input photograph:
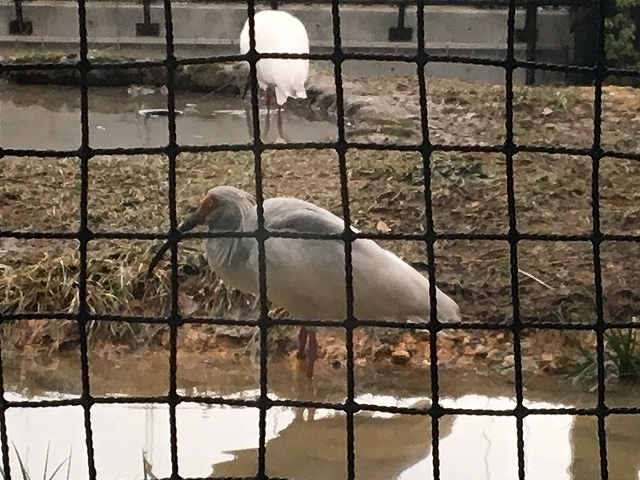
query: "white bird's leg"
302, 343
280, 134
307, 353
312, 352
267, 123
249, 115
268, 100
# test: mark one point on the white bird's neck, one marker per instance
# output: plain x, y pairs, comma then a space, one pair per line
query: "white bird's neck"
230, 257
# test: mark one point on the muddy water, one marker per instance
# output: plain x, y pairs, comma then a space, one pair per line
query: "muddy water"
49, 118
302, 444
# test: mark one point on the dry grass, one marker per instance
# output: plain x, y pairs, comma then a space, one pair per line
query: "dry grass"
468, 190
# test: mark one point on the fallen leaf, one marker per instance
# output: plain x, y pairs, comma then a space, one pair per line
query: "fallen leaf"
361, 362
547, 111
382, 227
547, 357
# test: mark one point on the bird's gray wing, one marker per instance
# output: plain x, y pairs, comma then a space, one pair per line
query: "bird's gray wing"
293, 215
304, 276
307, 277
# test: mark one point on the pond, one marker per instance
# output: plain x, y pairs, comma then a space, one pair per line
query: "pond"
301, 444
36, 117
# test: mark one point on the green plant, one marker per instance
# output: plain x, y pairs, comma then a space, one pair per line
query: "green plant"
25, 473
625, 352
620, 35
621, 358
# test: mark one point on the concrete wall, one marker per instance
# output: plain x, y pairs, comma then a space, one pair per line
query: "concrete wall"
205, 30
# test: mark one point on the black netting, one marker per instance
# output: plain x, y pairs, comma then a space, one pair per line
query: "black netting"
425, 148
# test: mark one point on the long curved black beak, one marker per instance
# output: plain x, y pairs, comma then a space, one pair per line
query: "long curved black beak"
189, 224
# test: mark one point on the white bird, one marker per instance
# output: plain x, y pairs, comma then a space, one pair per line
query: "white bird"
279, 32
306, 276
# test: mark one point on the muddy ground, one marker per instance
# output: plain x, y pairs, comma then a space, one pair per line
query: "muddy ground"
469, 194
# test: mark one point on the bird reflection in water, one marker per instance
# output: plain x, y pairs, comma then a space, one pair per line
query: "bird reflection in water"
312, 448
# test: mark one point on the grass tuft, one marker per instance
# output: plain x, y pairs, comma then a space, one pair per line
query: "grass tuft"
621, 359
24, 472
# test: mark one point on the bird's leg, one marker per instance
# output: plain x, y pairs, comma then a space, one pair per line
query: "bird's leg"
246, 87
312, 352
280, 134
268, 100
249, 115
301, 355
302, 343
267, 123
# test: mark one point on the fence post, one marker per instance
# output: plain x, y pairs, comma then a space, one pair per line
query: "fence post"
531, 26
584, 25
20, 26
146, 28
529, 35
400, 33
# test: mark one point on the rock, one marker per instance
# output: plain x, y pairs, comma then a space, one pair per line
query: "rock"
529, 365
494, 355
508, 361
400, 357
366, 350
388, 335
423, 335
481, 351
240, 334
382, 352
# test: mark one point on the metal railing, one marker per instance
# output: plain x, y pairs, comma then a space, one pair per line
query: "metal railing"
398, 33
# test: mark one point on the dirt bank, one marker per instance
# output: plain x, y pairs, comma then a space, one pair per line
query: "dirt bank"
223, 79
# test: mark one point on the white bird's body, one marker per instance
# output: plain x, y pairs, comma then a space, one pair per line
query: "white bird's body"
307, 277
279, 32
